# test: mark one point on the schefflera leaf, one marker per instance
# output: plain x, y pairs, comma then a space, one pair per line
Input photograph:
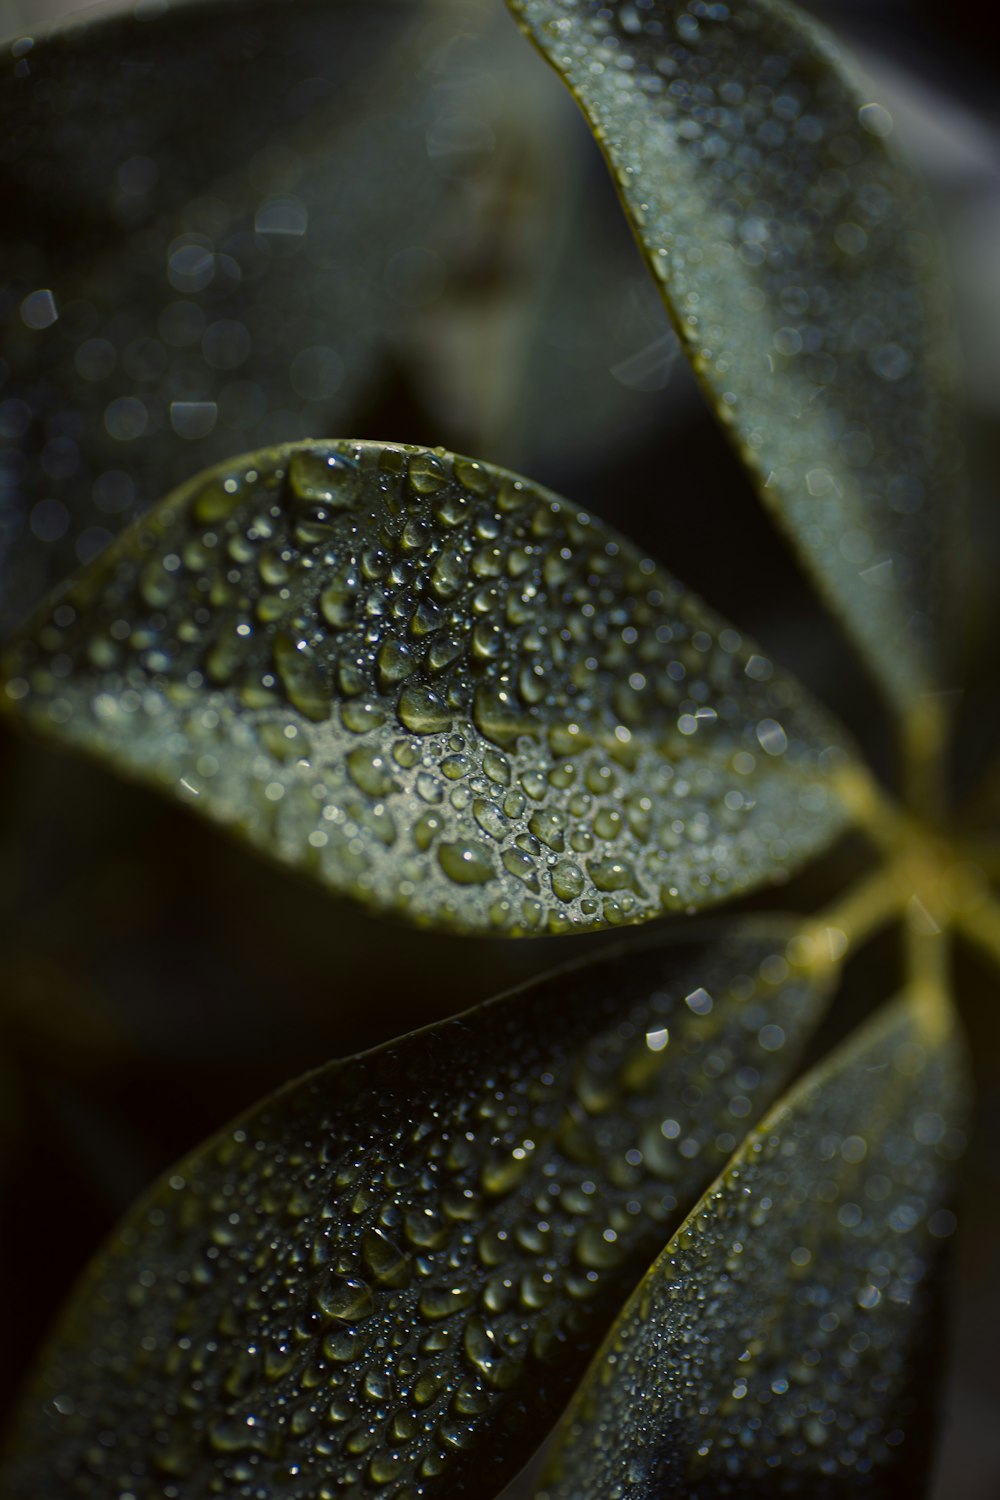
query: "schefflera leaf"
799, 264
784, 1341
385, 1278
440, 688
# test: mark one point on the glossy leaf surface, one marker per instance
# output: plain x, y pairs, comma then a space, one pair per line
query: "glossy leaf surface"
773, 1349
437, 687
799, 266
220, 216
384, 1278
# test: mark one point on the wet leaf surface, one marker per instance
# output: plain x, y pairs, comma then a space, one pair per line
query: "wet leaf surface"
438, 688
383, 1279
800, 268
775, 1346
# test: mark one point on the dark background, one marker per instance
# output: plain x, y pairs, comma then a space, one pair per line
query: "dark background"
156, 979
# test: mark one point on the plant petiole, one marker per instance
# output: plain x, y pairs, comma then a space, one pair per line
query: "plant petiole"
868, 906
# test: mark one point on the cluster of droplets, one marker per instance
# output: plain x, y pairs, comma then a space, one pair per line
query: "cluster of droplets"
366, 1286
439, 687
777, 1341
801, 269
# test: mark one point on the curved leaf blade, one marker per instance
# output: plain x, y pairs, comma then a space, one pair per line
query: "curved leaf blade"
387, 1274
772, 1348
439, 688
798, 263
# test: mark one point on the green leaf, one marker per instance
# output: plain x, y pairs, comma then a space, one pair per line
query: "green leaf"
437, 687
800, 268
222, 216
388, 1273
773, 1347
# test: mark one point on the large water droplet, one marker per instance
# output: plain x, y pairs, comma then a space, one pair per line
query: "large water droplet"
466, 863
426, 473
424, 711
387, 1262
345, 1300
325, 478
302, 677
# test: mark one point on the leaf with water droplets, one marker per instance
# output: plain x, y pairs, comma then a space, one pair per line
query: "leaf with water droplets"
437, 687
799, 265
385, 1277
776, 1347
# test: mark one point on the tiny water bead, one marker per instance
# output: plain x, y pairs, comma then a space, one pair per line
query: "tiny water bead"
830, 1218
383, 1280
318, 643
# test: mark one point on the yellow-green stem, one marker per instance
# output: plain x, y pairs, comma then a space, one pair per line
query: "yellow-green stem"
923, 743
840, 929
928, 953
980, 924
876, 814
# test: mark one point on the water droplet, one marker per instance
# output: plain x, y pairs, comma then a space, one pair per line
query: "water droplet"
472, 475
387, 1262
424, 1229
611, 874
443, 652
424, 711
497, 715
428, 1386
548, 826
158, 586
217, 501
358, 715
339, 600
466, 863
497, 767
499, 1368
228, 653
441, 1302
369, 770
323, 477
345, 1300
490, 817
395, 663
426, 473
448, 574
520, 864
302, 677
